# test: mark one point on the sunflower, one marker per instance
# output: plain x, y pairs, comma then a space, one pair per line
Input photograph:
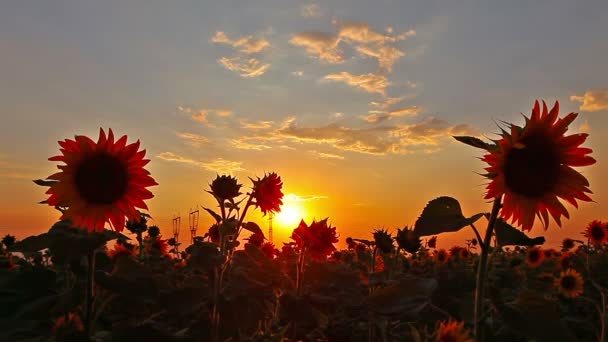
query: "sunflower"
567, 260
452, 331
383, 240
432, 242
267, 193
464, 253
597, 233
441, 256
534, 257
225, 188
570, 283
269, 249
408, 240
567, 244
120, 249
318, 239
100, 182
532, 167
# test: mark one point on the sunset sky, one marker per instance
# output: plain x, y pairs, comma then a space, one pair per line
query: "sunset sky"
352, 103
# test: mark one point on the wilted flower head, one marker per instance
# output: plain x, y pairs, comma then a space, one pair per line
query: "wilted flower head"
225, 188
408, 240
452, 331
597, 232
267, 193
532, 167
570, 283
318, 239
383, 240
101, 181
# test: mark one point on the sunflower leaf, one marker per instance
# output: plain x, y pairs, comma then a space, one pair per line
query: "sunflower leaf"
45, 182
217, 217
442, 215
472, 141
253, 227
507, 235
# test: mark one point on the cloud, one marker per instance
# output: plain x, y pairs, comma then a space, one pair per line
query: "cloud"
311, 10
298, 73
430, 132
592, 101
244, 145
246, 44
386, 55
584, 127
194, 139
291, 198
321, 45
389, 101
246, 68
264, 124
324, 155
218, 165
202, 115
379, 116
369, 82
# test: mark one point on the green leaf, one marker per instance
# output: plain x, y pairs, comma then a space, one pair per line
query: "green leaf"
409, 296
45, 182
441, 215
507, 235
217, 217
253, 227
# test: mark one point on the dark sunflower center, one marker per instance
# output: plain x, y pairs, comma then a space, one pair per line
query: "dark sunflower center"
597, 233
532, 169
568, 283
101, 179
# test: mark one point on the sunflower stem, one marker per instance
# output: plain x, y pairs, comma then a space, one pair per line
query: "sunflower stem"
482, 270
476, 233
90, 294
299, 270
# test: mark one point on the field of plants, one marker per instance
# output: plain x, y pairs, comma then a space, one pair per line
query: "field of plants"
103, 273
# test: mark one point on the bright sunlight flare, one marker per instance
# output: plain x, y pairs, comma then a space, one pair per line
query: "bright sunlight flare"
290, 215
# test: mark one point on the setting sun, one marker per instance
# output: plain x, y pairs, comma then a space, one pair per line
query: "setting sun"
290, 215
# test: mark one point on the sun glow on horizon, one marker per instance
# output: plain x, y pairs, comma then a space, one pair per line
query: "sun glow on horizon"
290, 215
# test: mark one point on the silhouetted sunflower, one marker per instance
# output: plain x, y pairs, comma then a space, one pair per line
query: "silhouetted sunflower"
432, 242
532, 167
121, 249
441, 256
597, 233
318, 239
453, 331
570, 283
267, 193
269, 249
100, 182
534, 257
383, 240
567, 244
225, 188
408, 240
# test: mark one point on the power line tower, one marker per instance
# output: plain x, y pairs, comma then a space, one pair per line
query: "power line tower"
193, 223
270, 217
177, 221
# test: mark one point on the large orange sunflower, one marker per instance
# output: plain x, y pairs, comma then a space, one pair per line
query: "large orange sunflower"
570, 283
532, 167
100, 182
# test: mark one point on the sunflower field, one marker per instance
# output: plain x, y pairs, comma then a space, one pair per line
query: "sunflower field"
102, 273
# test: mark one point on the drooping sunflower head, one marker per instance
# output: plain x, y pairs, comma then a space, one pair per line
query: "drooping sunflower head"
268, 193
534, 257
597, 232
532, 167
101, 181
570, 283
383, 240
408, 240
453, 331
225, 188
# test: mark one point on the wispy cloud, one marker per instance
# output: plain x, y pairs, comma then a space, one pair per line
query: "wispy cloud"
12, 170
218, 165
311, 10
246, 44
248, 68
372, 83
380, 116
203, 115
386, 55
193, 139
291, 198
245, 145
592, 101
324, 155
321, 45
263, 124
